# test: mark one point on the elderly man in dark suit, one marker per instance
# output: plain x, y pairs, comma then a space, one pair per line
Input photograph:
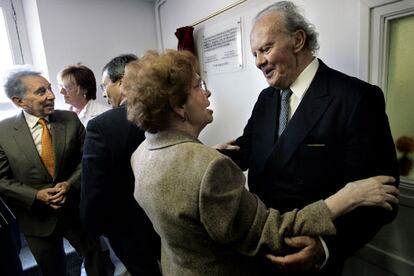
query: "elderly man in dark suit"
108, 206
40, 155
311, 131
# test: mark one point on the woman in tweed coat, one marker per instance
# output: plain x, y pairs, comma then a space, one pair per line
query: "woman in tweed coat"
208, 222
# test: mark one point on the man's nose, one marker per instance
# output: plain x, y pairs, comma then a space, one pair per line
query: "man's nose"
50, 94
260, 60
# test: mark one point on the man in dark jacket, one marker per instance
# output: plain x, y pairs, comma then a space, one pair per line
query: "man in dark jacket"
310, 132
108, 206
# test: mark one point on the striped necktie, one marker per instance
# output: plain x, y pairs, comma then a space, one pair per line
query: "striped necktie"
284, 110
48, 154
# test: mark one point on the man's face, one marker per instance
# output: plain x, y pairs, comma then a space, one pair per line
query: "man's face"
273, 48
111, 91
39, 99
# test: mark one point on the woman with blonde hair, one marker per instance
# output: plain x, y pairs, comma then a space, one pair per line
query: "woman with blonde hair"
77, 84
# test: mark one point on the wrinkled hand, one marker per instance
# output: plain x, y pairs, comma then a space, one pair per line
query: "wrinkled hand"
59, 199
64, 187
373, 191
311, 252
226, 146
46, 195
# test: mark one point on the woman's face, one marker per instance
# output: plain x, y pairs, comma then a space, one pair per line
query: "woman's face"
72, 93
197, 113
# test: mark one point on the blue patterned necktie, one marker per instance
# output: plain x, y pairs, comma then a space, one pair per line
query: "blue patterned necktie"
284, 110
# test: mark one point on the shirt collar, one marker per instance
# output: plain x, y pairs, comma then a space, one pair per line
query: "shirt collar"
303, 81
32, 120
84, 110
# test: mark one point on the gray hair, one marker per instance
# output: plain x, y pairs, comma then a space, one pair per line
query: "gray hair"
294, 20
13, 85
116, 67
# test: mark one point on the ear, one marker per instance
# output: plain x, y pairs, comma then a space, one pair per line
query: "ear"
299, 40
178, 109
81, 91
18, 101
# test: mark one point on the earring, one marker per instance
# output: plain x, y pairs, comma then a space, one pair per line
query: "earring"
84, 95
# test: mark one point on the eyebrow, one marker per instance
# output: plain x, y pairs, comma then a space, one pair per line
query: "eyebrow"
40, 89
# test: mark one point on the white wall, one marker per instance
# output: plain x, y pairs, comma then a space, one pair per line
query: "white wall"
63, 32
92, 32
234, 94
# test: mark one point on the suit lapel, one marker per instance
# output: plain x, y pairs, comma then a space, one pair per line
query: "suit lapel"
266, 128
58, 131
25, 142
311, 109
271, 109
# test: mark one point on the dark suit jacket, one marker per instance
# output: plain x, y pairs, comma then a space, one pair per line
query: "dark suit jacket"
22, 172
107, 196
339, 133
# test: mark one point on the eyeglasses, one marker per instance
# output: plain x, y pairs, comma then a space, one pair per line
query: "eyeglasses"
202, 84
64, 88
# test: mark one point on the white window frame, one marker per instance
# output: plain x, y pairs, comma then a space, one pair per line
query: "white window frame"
375, 16
373, 56
16, 30
381, 17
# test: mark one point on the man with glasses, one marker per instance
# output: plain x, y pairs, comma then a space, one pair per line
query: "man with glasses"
112, 74
108, 206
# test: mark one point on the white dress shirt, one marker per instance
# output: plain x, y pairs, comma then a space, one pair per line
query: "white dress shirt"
301, 85
91, 110
36, 129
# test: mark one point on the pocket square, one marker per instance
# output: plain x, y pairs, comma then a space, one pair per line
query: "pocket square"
316, 145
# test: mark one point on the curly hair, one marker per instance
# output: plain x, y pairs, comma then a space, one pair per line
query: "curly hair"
80, 75
154, 84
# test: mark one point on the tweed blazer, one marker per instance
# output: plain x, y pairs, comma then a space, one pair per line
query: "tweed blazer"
22, 172
208, 222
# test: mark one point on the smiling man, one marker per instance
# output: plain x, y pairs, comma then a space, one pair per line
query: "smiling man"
40, 157
311, 131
